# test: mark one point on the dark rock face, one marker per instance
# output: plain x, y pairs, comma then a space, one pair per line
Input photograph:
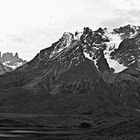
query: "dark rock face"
102, 63
127, 85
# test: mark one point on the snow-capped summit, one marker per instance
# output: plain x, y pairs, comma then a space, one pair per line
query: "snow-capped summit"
65, 42
128, 31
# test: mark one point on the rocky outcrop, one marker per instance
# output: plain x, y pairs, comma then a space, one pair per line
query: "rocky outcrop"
11, 61
128, 52
128, 31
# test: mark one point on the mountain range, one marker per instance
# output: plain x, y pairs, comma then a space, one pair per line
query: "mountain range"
9, 62
95, 73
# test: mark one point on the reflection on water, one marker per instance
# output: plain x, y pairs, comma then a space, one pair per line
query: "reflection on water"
24, 133
9, 135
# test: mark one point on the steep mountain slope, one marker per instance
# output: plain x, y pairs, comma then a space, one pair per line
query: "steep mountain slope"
4, 68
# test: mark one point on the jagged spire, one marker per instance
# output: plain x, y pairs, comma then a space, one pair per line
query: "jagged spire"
16, 55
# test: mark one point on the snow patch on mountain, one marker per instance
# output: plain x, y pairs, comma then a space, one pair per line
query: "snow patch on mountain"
17, 64
87, 55
115, 64
111, 45
115, 40
64, 43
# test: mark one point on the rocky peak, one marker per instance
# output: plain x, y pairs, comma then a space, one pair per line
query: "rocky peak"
7, 56
89, 45
11, 61
64, 42
16, 55
128, 31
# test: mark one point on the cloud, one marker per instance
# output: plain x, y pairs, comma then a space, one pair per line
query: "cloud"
15, 38
30, 42
122, 17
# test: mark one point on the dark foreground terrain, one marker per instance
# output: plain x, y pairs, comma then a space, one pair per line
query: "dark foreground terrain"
68, 127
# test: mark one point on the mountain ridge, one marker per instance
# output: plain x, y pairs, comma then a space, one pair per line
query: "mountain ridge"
86, 80
77, 67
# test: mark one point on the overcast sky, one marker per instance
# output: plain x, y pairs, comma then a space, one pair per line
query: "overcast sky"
27, 26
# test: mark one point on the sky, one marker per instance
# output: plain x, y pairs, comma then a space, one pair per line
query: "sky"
27, 26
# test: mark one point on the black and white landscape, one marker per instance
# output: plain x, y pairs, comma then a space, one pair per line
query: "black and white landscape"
85, 85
